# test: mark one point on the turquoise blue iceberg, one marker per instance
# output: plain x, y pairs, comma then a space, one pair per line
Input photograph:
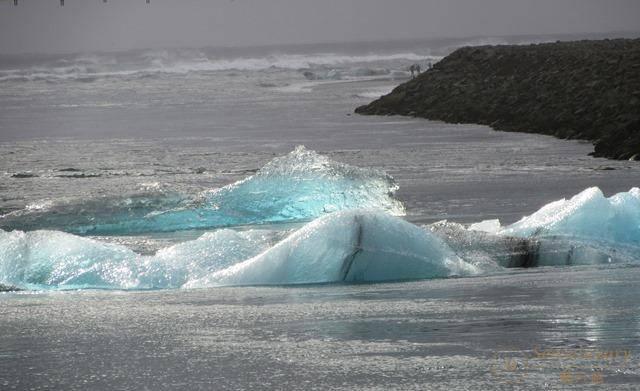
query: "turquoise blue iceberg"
348, 246
299, 186
589, 228
345, 244
587, 216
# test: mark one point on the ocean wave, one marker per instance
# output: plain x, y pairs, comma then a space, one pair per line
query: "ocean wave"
151, 64
375, 93
483, 41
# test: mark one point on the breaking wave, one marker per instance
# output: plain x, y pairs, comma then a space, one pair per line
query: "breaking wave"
153, 63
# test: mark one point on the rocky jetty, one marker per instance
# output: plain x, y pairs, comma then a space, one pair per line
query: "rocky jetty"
587, 90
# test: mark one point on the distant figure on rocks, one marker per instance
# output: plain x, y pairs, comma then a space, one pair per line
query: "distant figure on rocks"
414, 68
429, 65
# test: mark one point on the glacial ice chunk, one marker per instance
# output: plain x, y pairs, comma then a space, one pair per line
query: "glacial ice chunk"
489, 226
584, 230
351, 246
588, 215
347, 246
297, 187
491, 252
58, 260
303, 185
175, 266
44, 259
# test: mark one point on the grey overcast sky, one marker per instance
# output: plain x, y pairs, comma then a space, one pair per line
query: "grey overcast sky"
81, 25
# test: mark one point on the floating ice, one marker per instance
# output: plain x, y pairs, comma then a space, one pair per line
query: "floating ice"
492, 252
350, 246
175, 266
51, 259
353, 245
299, 186
587, 216
587, 229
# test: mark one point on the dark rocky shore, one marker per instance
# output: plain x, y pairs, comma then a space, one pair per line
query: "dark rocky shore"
587, 90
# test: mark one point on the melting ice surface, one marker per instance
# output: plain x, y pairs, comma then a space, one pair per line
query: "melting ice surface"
586, 229
347, 246
588, 216
53, 259
299, 186
354, 245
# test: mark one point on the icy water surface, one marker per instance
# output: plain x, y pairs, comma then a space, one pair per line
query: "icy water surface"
515, 331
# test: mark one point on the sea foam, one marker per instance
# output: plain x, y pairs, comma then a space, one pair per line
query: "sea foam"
180, 62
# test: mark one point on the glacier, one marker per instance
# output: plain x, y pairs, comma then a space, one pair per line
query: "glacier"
299, 186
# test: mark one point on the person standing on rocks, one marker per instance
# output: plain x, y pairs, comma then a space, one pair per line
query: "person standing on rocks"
414, 68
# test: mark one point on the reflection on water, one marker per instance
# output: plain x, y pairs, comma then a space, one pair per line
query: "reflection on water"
554, 326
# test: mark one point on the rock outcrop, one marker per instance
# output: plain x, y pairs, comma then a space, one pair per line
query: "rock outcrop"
586, 90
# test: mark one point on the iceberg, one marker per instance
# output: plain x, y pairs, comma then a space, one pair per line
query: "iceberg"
491, 252
588, 216
352, 246
50, 259
348, 246
177, 265
59, 260
299, 186
587, 229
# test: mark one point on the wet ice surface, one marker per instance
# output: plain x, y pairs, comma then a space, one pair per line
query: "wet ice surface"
500, 332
